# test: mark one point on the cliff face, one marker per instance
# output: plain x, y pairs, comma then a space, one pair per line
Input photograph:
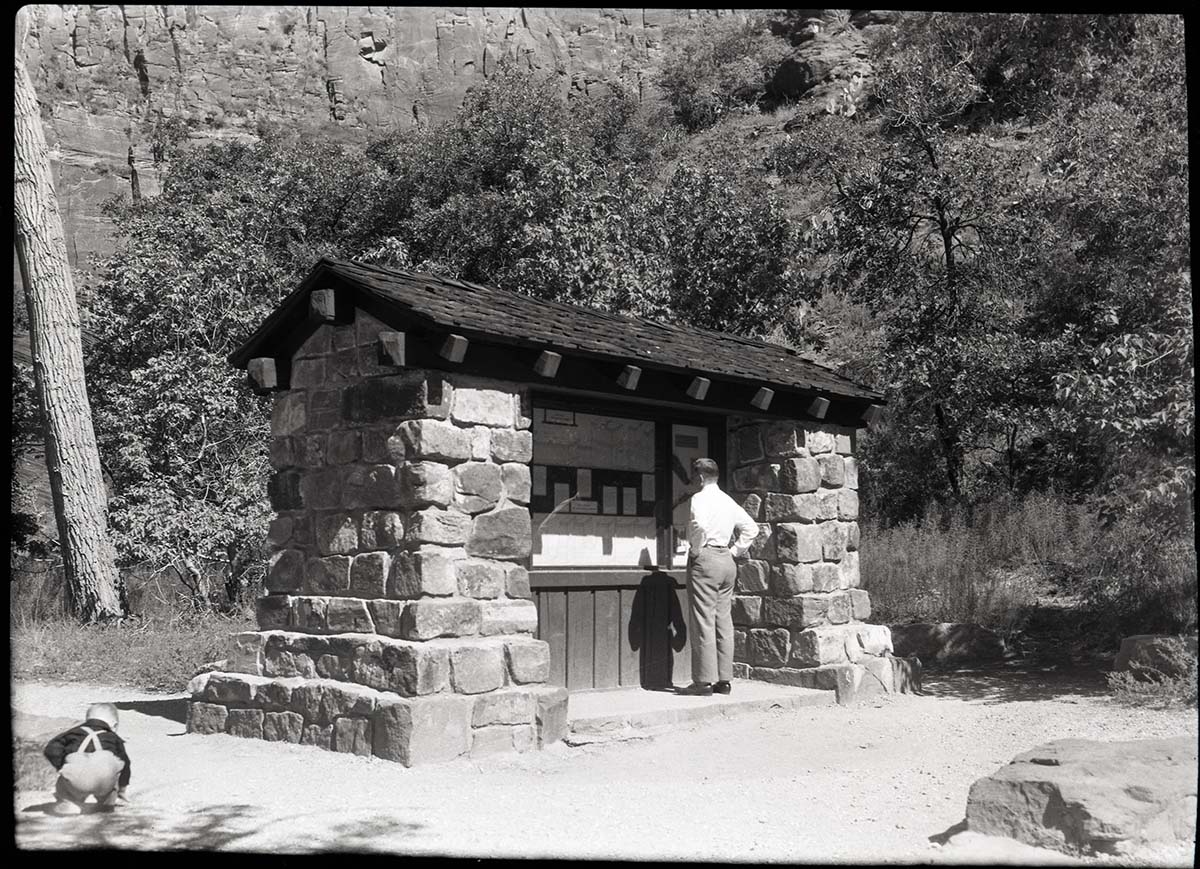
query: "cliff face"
117, 81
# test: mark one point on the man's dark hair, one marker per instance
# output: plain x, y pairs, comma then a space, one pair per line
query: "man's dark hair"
706, 468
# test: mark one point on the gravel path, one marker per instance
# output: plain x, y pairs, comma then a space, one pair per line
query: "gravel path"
860, 785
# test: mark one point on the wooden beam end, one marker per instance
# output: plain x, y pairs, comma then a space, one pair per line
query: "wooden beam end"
818, 408
698, 388
454, 348
262, 374
547, 364
322, 305
629, 377
391, 348
762, 398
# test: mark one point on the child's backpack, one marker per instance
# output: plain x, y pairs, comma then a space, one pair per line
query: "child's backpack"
92, 768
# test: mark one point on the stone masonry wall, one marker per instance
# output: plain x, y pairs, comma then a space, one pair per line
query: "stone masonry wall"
398, 620
799, 612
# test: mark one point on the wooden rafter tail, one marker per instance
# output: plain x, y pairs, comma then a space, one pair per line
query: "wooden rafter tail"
322, 306
454, 348
872, 414
818, 408
698, 388
391, 349
262, 374
547, 363
629, 377
762, 398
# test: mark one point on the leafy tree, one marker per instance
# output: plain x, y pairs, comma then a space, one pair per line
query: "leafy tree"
196, 268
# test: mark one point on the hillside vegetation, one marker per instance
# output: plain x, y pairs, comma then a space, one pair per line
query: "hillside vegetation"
984, 216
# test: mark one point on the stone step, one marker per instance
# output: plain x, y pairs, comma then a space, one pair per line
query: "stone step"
632, 713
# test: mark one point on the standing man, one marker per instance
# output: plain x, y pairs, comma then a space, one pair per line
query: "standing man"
711, 574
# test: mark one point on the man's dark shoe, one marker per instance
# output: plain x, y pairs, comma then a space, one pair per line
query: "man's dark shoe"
721, 687
696, 689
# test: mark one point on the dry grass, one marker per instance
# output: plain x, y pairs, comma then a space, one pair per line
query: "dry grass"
159, 654
1147, 686
942, 569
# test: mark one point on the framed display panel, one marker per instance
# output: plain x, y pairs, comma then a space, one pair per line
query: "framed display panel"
609, 483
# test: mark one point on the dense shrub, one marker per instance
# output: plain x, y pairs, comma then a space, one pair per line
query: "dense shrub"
1149, 686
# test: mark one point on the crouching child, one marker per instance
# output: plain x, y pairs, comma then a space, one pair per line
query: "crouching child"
91, 761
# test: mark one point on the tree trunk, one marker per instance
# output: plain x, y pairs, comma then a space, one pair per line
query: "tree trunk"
72, 459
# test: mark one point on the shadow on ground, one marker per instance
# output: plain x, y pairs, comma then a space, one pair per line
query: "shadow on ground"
209, 828
1011, 681
170, 708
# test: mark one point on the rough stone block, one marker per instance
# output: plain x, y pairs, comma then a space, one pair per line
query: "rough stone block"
444, 527
422, 484
427, 619
746, 610
273, 611
324, 406
869, 640
785, 439
371, 486
381, 529
793, 508
833, 471
343, 447
408, 669
552, 714
799, 475
477, 668
819, 441
490, 407
839, 608
763, 545
757, 477
848, 571
319, 735
528, 660
427, 571
410, 395
804, 611
322, 701
767, 647
503, 533
369, 573
753, 505
247, 723
753, 576
512, 446
843, 442
423, 730
275, 695
816, 647
286, 571
479, 578
311, 450
327, 576
206, 718
516, 581
788, 580
508, 617
335, 667
349, 615
281, 662
852, 534
847, 504
481, 443
860, 604
796, 542
288, 414
388, 616
833, 540
851, 473
375, 445
516, 481
352, 736
310, 614
825, 576
282, 453
430, 439
337, 534
748, 444
246, 653
512, 706
477, 486
279, 532
282, 726
322, 489
232, 688
495, 739
285, 491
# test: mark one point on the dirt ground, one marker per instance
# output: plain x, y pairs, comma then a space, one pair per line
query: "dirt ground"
885, 782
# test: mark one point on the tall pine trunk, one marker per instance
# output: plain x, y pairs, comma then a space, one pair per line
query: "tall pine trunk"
72, 459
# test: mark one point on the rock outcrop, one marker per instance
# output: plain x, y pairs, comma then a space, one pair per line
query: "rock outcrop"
1151, 655
1092, 797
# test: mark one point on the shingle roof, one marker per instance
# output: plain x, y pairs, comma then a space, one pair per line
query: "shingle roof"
505, 315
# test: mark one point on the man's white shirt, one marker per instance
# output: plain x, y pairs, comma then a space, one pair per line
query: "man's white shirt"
714, 519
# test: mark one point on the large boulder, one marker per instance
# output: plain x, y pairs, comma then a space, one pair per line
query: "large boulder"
1145, 654
1099, 797
948, 642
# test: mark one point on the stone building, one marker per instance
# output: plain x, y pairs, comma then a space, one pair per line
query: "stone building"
480, 505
